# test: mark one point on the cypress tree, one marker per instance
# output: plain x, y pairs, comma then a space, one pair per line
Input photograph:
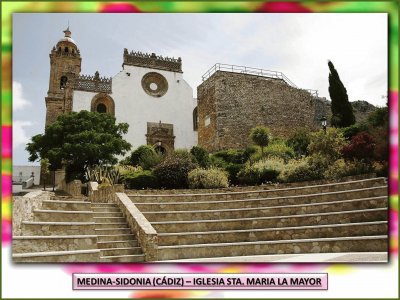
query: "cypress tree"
342, 111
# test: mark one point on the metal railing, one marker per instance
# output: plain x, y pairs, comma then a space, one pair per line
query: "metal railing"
252, 71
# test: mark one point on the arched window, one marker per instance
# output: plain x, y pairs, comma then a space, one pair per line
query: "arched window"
66, 49
195, 119
59, 49
103, 103
63, 82
101, 108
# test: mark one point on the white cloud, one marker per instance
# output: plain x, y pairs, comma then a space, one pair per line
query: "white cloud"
19, 101
19, 135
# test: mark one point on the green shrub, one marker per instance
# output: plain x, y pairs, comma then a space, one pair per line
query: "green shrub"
217, 162
233, 156
349, 132
327, 144
277, 149
280, 150
201, 156
172, 172
144, 156
140, 179
342, 168
381, 169
208, 178
266, 170
299, 141
233, 170
183, 153
310, 168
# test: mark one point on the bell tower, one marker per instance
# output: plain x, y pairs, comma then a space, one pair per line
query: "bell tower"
65, 66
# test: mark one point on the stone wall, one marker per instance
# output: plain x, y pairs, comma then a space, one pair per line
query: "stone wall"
146, 234
103, 193
262, 187
23, 207
73, 188
236, 102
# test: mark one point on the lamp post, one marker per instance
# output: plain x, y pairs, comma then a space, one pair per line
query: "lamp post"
323, 123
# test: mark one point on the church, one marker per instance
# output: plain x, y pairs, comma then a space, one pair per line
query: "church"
151, 95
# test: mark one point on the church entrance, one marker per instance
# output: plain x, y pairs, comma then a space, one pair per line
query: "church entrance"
160, 136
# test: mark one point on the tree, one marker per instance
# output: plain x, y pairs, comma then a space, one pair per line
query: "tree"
260, 136
342, 111
78, 141
44, 167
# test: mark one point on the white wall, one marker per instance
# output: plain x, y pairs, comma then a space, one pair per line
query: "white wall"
82, 100
135, 107
25, 172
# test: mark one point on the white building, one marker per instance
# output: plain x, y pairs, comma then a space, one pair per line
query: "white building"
149, 93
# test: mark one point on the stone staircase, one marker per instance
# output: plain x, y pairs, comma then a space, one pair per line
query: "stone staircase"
115, 239
322, 218
75, 230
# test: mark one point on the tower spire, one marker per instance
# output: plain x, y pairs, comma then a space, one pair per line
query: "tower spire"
67, 32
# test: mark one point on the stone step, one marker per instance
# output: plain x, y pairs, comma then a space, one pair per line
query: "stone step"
115, 237
92, 255
109, 219
120, 251
58, 228
62, 216
118, 244
68, 198
340, 217
107, 214
279, 210
269, 191
124, 258
271, 201
24, 244
320, 245
114, 225
114, 231
65, 205
105, 209
266, 234
103, 204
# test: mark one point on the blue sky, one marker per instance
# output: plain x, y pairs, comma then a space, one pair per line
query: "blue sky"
299, 45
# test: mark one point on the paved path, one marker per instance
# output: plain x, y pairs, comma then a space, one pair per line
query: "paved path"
349, 257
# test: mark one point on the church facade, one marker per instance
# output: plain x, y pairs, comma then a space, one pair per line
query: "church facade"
149, 93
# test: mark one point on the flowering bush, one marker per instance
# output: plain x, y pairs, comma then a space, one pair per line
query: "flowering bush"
342, 168
310, 168
327, 144
266, 170
208, 178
